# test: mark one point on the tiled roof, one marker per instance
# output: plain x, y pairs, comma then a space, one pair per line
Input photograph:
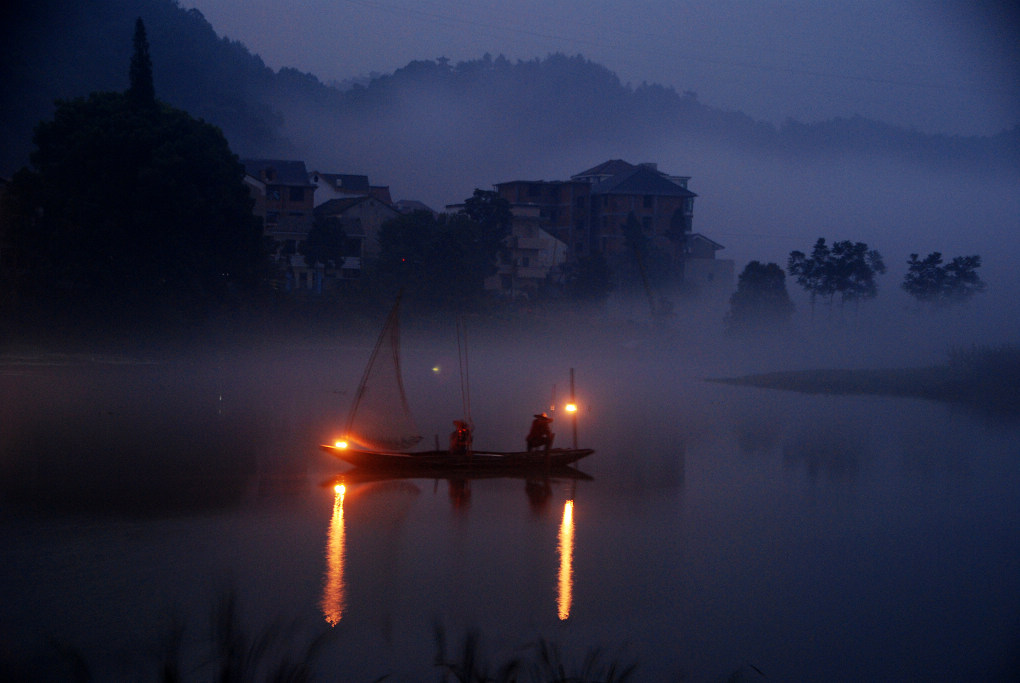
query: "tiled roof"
698, 236
342, 204
346, 181
641, 180
606, 168
409, 205
277, 171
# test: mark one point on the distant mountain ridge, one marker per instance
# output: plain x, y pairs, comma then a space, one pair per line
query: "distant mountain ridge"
478, 111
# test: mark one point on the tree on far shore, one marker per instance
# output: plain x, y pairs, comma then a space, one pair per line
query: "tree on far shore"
928, 281
761, 301
847, 268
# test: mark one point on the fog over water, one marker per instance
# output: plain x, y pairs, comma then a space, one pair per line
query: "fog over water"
812, 537
719, 529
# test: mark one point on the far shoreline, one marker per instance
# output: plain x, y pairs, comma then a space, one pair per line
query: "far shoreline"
987, 379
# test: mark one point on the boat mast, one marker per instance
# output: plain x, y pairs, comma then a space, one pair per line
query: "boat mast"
465, 384
573, 402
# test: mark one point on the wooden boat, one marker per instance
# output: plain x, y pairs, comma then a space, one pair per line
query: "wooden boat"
385, 445
475, 461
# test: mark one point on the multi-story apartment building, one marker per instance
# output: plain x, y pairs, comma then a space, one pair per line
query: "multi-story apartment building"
590, 211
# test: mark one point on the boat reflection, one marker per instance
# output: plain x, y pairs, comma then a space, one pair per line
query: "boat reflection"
565, 584
333, 595
539, 490
537, 485
460, 492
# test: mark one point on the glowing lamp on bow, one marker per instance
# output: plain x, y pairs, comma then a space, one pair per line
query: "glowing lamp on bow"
341, 444
570, 407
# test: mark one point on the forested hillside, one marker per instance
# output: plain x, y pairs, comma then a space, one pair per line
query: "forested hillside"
489, 114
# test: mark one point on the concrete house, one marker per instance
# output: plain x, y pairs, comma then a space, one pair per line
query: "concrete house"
345, 186
564, 208
284, 201
361, 218
703, 269
533, 255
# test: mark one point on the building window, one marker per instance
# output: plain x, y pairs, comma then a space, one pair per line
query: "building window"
273, 192
297, 194
272, 217
649, 200
646, 223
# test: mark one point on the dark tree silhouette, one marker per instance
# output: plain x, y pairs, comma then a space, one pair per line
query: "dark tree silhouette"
133, 211
761, 301
487, 208
443, 259
589, 278
810, 272
848, 269
492, 215
928, 281
327, 243
853, 270
142, 91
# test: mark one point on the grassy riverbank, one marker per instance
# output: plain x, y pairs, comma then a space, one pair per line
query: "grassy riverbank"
985, 378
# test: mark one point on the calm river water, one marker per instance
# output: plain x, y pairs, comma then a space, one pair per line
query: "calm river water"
721, 530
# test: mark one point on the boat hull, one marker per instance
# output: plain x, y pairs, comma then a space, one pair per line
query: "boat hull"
427, 461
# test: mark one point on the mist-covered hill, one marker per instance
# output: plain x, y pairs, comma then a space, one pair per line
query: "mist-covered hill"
434, 131
488, 119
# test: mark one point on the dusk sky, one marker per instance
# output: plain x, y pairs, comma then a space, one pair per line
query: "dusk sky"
940, 67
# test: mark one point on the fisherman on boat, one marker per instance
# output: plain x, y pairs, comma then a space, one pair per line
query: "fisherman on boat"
460, 438
540, 435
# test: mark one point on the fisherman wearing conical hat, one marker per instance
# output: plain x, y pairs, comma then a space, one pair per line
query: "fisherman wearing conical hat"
540, 435
460, 438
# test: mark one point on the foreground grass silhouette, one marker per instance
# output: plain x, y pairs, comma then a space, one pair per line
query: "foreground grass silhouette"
275, 654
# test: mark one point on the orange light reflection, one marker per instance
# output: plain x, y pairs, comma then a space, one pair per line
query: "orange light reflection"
333, 595
566, 548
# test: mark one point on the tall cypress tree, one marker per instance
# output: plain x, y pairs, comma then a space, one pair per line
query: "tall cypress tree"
142, 92
133, 211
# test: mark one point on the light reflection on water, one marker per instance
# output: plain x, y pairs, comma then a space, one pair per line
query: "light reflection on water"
333, 595
566, 550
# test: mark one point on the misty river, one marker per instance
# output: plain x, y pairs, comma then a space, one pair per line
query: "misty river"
720, 529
